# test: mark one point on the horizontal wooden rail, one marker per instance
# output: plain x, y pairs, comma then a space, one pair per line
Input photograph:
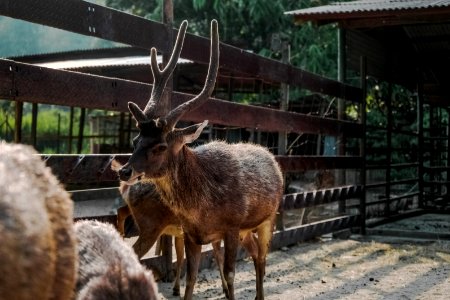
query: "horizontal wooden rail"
29, 83
96, 168
94, 20
322, 196
294, 235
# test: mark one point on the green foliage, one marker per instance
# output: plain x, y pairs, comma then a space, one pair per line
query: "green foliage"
250, 24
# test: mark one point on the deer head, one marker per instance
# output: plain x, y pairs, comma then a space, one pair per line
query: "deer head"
158, 138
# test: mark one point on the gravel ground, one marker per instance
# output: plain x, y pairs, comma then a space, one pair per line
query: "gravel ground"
371, 267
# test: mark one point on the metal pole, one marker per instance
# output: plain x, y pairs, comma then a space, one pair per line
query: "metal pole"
362, 147
342, 74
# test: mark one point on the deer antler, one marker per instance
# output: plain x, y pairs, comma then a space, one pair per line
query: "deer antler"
174, 115
160, 78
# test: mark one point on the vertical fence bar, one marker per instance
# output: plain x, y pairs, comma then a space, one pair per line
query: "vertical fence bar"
34, 115
342, 76
420, 115
18, 123
389, 128
81, 130
362, 146
72, 112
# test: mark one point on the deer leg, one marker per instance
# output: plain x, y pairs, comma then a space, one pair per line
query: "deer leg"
265, 232
144, 243
179, 249
122, 213
219, 259
231, 246
193, 254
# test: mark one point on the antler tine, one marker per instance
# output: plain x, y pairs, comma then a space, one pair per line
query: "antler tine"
173, 117
160, 77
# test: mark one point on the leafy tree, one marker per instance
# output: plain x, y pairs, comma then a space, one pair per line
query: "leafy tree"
250, 24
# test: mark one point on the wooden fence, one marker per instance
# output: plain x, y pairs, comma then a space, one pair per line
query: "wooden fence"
23, 82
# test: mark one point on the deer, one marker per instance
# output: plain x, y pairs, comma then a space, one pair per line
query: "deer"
108, 267
38, 248
218, 191
153, 219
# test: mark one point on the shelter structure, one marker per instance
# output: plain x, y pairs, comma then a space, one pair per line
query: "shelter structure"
403, 42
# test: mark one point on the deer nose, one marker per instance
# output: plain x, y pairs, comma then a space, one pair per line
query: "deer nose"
125, 173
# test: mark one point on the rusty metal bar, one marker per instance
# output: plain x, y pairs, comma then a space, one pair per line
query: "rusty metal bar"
94, 20
43, 85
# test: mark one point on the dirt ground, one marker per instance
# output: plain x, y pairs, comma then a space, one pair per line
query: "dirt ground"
370, 267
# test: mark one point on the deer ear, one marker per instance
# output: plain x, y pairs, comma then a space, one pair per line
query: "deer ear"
137, 113
192, 133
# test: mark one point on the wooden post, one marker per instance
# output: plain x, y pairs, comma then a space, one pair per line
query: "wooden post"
166, 241
34, 114
284, 106
81, 130
18, 123
69, 148
58, 134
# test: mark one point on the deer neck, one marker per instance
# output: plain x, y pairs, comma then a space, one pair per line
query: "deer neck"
177, 185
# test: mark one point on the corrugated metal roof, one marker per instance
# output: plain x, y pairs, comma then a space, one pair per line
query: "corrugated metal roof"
362, 6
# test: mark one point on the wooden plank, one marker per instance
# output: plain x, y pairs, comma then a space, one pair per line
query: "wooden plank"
96, 168
299, 163
322, 196
34, 84
291, 236
94, 20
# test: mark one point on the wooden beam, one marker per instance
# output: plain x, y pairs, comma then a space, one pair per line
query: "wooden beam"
43, 85
94, 20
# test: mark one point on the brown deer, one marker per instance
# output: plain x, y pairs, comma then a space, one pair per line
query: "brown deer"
154, 218
217, 190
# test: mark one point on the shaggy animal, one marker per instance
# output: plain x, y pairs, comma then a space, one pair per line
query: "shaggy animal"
108, 267
38, 247
217, 191
154, 218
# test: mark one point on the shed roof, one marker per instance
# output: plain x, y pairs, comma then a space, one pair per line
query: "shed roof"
405, 41
392, 12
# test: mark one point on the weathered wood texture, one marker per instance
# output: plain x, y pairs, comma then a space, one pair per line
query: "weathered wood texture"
94, 20
29, 83
96, 168
322, 196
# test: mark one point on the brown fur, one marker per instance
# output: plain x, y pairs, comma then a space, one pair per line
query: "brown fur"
154, 218
109, 269
38, 247
218, 191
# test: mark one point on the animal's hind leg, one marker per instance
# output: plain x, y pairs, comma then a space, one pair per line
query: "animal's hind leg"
231, 242
265, 233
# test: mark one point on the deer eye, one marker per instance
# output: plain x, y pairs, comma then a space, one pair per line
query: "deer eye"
160, 148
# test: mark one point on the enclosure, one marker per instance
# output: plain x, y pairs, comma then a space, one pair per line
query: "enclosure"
340, 181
